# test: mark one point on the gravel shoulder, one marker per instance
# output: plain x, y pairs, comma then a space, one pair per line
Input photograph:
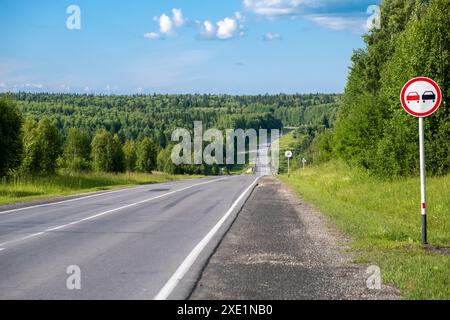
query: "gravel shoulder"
280, 248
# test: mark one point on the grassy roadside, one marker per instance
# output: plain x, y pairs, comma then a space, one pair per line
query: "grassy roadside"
287, 143
383, 219
66, 183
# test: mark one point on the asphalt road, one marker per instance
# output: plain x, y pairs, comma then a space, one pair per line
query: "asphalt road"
140, 243
281, 248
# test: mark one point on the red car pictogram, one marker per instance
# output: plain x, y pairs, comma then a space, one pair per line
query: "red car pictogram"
413, 96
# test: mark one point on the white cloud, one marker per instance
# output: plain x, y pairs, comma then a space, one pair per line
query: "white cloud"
224, 29
208, 29
238, 16
178, 18
167, 24
2, 85
152, 35
227, 28
318, 11
271, 36
273, 8
339, 23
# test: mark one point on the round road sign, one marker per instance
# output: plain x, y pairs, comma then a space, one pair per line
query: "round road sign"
421, 97
288, 154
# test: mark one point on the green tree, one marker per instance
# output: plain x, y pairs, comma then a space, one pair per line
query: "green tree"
432, 59
10, 136
372, 129
118, 157
107, 154
102, 159
164, 161
77, 150
146, 155
129, 150
42, 147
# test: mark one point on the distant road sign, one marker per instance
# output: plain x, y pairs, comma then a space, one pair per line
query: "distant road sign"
421, 97
288, 154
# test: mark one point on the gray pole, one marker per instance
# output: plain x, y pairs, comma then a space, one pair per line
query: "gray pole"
289, 169
422, 182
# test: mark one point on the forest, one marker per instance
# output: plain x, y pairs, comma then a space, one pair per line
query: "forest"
43, 132
371, 129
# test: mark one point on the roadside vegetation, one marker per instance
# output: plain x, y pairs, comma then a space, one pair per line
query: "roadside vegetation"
363, 166
371, 130
382, 217
65, 183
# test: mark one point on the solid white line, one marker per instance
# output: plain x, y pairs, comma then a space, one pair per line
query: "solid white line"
82, 197
171, 284
23, 238
107, 212
66, 201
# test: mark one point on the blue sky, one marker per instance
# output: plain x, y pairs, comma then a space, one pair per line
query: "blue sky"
180, 46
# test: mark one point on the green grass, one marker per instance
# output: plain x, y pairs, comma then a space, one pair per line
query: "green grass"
383, 219
66, 183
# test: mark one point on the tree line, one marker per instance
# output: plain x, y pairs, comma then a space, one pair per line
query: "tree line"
156, 116
34, 148
128, 133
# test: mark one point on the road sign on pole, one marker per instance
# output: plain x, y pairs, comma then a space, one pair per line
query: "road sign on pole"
304, 162
421, 97
288, 155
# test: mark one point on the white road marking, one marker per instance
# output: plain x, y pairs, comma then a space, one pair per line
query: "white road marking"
23, 238
107, 212
171, 284
65, 201
82, 196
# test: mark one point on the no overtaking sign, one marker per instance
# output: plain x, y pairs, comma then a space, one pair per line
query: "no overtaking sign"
421, 97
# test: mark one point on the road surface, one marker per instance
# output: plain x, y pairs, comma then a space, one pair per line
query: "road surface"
281, 248
141, 243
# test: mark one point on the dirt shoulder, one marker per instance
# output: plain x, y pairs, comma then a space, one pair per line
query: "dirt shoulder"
282, 248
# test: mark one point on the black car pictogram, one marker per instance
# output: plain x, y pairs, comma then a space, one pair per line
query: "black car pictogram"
428, 95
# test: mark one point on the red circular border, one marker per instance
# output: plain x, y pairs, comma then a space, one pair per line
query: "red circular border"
436, 106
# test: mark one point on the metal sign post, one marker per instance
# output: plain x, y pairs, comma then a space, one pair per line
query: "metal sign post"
289, 169
421, 97
304, 163
423, 195
288, 155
